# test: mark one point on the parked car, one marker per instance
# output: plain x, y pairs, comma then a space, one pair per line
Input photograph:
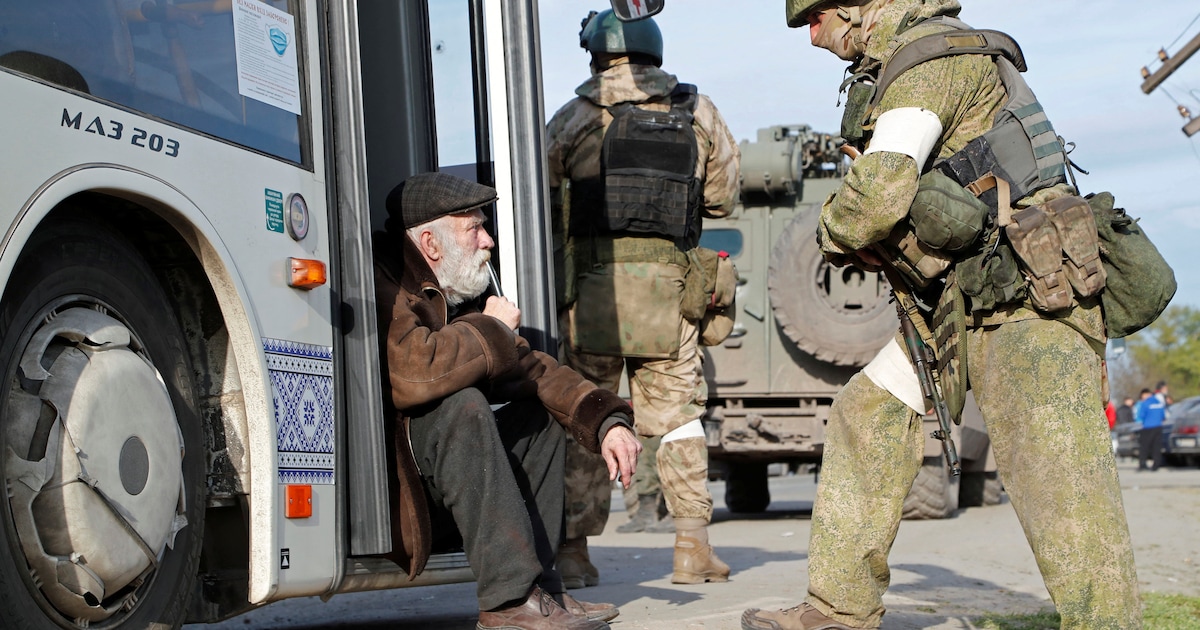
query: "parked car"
1125, 437
1183, 439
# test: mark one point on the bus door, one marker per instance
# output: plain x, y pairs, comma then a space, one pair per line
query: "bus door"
446, 85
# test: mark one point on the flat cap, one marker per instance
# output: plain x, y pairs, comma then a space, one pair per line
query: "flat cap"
427, 196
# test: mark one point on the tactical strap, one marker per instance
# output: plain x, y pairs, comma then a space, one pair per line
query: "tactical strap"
994, 148
946, 44
1003, 207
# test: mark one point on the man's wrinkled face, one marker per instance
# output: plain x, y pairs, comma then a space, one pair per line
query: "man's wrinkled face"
466, 248
829, 29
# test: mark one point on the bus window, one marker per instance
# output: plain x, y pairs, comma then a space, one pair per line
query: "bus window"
453, 82
175, 61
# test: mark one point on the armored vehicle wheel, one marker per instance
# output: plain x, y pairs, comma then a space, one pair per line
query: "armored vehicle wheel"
101, 441
746, 490
979, 488
838, 315
934, 494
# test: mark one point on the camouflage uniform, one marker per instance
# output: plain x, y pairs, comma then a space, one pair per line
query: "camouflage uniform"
669, 392
1037, 380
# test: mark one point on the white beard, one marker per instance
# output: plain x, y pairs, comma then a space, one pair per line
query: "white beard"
463, 275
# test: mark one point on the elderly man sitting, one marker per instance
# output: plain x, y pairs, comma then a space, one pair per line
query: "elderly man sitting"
450, 354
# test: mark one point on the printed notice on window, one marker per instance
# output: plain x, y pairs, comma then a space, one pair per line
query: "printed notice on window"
265, 41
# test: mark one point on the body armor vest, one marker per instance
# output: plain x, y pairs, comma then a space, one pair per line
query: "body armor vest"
647, 179
1021, 147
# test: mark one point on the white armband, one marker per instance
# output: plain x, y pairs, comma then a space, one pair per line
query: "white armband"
892, 370
911, 131
693, 429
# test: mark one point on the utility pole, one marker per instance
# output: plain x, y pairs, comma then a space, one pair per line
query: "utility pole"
1169, 66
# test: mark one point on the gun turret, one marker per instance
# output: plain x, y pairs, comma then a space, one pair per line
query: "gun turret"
784, 156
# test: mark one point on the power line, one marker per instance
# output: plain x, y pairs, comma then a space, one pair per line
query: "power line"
1185, 30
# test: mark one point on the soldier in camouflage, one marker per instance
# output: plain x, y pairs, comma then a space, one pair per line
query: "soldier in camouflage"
621, 290
1036, 377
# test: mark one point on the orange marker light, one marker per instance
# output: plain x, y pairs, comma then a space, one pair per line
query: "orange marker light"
306, 273
299, 502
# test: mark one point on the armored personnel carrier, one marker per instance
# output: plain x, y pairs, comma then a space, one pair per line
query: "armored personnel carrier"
803, 328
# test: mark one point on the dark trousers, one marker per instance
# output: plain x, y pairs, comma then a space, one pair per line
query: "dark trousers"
500, 475
1150, 447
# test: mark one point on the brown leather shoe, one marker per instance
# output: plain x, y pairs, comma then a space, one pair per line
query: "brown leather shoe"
539, 611
802, 617
601, 611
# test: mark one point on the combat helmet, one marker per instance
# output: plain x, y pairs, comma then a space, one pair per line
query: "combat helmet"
797, 11
604, 33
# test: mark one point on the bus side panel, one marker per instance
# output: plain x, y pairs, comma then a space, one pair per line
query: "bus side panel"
231, 196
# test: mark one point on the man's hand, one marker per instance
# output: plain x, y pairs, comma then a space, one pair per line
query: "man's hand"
504, 310
868, 260
620, 449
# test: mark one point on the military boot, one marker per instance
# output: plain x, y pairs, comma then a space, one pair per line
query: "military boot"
574, 564
695, 560
802, 617
644, 517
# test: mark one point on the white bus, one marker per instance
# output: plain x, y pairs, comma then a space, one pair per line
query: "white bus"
191, 420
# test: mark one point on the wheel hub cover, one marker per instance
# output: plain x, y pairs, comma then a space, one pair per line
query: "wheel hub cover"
110, 505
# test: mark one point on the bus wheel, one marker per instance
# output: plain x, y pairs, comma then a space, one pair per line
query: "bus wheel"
100, 440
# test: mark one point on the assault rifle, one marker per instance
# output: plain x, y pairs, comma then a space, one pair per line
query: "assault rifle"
924, 361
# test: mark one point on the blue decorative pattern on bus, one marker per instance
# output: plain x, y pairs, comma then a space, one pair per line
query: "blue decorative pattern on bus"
302, 391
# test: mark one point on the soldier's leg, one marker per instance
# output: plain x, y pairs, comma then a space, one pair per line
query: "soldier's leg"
669, 396
873, 450
1038, 386
588, 491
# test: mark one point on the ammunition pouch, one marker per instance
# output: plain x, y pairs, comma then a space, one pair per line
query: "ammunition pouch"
919, 263
1059, 249
859, 98
944, 219
991, 278
709, 293
949, 328
944, 215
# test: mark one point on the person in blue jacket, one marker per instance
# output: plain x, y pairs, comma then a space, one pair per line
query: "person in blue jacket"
1152, 411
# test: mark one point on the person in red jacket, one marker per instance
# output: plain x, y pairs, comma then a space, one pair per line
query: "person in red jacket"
451, 353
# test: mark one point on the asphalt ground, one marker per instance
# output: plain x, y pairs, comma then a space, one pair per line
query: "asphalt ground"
944, 573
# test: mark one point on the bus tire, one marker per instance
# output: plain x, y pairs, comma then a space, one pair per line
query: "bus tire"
76, 287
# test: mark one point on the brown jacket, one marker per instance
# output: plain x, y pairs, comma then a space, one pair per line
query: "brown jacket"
429, 355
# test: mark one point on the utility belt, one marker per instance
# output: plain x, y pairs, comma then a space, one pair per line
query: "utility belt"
1047, 253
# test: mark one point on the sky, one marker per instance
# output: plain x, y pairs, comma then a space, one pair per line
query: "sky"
1084, 59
